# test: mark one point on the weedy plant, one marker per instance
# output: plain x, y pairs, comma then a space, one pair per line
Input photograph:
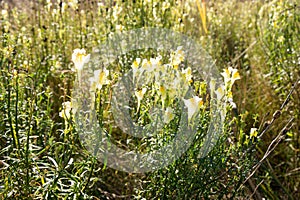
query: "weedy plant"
42, 155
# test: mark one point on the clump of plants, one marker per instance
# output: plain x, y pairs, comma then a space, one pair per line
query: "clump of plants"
49, 84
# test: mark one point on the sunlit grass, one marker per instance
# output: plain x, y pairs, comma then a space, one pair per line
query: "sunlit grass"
44, 45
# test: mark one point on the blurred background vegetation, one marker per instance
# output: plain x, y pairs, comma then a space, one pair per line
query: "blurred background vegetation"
41, 157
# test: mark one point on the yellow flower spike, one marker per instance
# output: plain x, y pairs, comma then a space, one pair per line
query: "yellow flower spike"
193, 105
4, 14
100, 78
246, 140
253, 132
168, 115
66, 110
187, 74
163, 93
79, 58
234, 75
155, 62
177, 57
135, 67
146, 65
144, 62
103, 78
136, 63
140, 95
229, 94
230, 76
119, 28
226, 75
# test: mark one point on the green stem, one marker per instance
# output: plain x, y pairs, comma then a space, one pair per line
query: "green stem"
16, 111
27, 147
90, 175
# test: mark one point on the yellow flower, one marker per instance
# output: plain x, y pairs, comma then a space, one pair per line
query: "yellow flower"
140, 95
155, 62
135, 67
253, 132
145, 63
64, 6
4, 14
246, 142
163, 93
169, 115
99, 79
177, 57
165, 6
149, 66
193, 105
79, 58
119, 28
66, 110
116, 12
230, 76
187, 74
234, 74
226, 75
136, 63
73, 4
280, 39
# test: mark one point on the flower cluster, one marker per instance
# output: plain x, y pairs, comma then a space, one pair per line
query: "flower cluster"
165, 83
79, 58
66, 110
99, 78
224, 94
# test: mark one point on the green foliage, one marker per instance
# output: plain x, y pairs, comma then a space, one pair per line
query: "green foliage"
41, 155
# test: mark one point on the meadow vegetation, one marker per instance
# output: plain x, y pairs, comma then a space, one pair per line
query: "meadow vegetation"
255, 45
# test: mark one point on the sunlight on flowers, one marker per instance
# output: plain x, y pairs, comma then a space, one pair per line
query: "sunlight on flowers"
193, 105
79, 58
66, 110
140, 95
4, 14
163, 93
230, 75
253, 132
177, 57
73, 4
135, 67
99, 79
187, 74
